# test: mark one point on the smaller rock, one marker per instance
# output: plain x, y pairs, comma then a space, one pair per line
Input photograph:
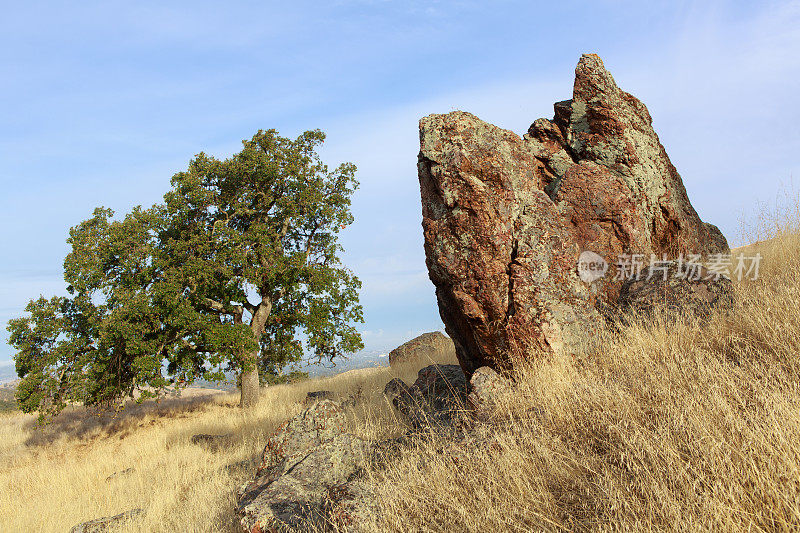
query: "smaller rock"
396, 387
314, 396
487, 390
443, 386
318, 424
303, 460
211, 442
120, 473
426, 347
101, 525
436, 399
239, 466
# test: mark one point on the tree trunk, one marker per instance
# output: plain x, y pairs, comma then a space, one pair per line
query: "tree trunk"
250, 385
250, 382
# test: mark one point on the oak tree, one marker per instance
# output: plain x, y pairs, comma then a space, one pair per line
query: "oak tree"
238, 269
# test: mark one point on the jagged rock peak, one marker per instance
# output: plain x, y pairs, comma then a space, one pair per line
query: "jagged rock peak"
505, 218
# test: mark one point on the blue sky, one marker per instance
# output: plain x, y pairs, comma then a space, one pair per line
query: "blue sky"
100, 103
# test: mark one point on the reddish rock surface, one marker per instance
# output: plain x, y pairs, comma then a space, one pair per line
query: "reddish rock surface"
505, 218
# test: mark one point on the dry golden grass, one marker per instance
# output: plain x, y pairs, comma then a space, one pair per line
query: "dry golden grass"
667, 425
54, 477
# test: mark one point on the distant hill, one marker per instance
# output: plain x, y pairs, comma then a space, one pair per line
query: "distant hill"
373, 359
7, 373
370, 359
7, 401
354, 362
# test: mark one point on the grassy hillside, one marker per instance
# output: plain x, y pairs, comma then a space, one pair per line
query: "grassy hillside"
663, 425
54, 477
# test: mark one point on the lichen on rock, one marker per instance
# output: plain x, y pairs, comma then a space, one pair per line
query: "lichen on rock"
505, 218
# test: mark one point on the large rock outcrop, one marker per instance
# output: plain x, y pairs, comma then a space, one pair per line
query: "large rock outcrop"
505, 218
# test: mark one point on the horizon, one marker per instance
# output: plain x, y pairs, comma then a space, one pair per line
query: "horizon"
110, 102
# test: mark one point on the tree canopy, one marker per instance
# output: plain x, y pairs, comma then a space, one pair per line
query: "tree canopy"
237, 270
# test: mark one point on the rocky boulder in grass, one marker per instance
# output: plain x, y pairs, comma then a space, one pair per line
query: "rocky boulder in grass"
101, 525
505, 219
487, 391
315, 426
437, 398
315, 396
423, 348
305, 474
212, 443
396, 387
294, 492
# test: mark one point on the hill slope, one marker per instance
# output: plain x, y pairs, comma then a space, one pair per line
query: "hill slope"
659, 425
